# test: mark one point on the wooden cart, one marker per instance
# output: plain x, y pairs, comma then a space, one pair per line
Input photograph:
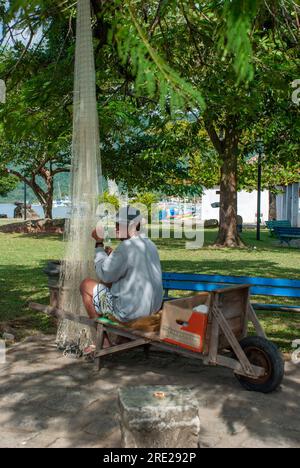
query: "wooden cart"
256, 362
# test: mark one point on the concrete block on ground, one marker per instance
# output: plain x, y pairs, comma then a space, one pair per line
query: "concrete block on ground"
158, 417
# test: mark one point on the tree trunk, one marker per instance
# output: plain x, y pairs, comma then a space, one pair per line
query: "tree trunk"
227, 149
48, 203
47, 208
272, 206
228, 233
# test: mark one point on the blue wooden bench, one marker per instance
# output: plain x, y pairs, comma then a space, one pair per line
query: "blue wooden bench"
287, 234
274, 287
271, 225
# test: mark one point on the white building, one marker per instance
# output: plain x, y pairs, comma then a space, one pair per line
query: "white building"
287, 204
247, 205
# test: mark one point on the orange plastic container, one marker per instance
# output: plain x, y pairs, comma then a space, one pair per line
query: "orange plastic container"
183, 326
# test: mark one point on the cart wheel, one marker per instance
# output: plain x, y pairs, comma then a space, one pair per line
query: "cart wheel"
262, 353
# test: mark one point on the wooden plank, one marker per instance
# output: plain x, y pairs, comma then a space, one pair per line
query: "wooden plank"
122, 347
233, 289
245, 326
247, 367
236, 366
128, 333
61, 314
253, 317
189, 302
214, 333
233, 314
99, 343
233, 302
168, 347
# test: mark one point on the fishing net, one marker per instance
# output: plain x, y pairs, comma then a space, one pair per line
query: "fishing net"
85, 185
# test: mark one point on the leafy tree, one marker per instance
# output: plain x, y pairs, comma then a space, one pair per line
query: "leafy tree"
237, 111
237, 56
240, 56
35, 123
7, 184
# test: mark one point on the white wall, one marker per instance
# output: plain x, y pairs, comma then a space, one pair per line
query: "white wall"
247, 205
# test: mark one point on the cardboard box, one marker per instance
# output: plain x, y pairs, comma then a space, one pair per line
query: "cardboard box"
183, 326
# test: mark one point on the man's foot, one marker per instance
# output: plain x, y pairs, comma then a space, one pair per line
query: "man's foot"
89, 350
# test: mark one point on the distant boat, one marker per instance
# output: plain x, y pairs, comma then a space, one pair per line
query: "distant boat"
63, 202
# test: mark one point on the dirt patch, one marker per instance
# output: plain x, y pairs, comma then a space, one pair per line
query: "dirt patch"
39, 226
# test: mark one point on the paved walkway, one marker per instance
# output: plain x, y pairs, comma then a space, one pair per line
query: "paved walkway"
47, 400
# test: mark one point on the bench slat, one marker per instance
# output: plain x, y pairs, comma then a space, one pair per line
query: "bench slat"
288, 233
255, 281
282, 222
255, 290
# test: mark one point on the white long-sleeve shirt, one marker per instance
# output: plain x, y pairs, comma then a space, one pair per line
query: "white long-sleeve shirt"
134, 270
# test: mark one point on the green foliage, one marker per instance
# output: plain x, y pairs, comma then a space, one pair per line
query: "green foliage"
145, 202
152, 73
273, 175
7, 184
239, 16
110, 199
237, 56
160, 149
35, 122
146, 198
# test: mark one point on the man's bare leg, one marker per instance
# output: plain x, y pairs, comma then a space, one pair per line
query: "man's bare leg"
86, 289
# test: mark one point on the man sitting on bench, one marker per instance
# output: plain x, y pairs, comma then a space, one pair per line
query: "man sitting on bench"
130, 277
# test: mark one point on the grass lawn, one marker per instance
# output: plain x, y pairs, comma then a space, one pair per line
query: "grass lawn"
23, 258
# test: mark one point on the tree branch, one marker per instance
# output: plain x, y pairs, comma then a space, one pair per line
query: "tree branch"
156, 20
19, 175
60, 170
210, 128
22, 55
192, 33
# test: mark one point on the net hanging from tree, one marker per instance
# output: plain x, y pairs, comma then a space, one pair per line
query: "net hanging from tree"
85, 183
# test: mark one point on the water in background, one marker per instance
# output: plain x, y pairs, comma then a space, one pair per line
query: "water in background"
60, 212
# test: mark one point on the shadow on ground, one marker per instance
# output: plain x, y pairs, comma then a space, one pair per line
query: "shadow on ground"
49, 400
19, 285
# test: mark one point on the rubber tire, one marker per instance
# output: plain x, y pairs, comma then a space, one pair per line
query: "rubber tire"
277, 365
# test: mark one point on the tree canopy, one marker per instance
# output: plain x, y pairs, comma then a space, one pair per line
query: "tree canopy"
185, 89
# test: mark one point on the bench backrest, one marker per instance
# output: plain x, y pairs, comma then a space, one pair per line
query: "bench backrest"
293, 231
259, 286
275, 224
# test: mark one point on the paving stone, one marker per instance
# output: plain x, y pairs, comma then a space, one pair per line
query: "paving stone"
14, 439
